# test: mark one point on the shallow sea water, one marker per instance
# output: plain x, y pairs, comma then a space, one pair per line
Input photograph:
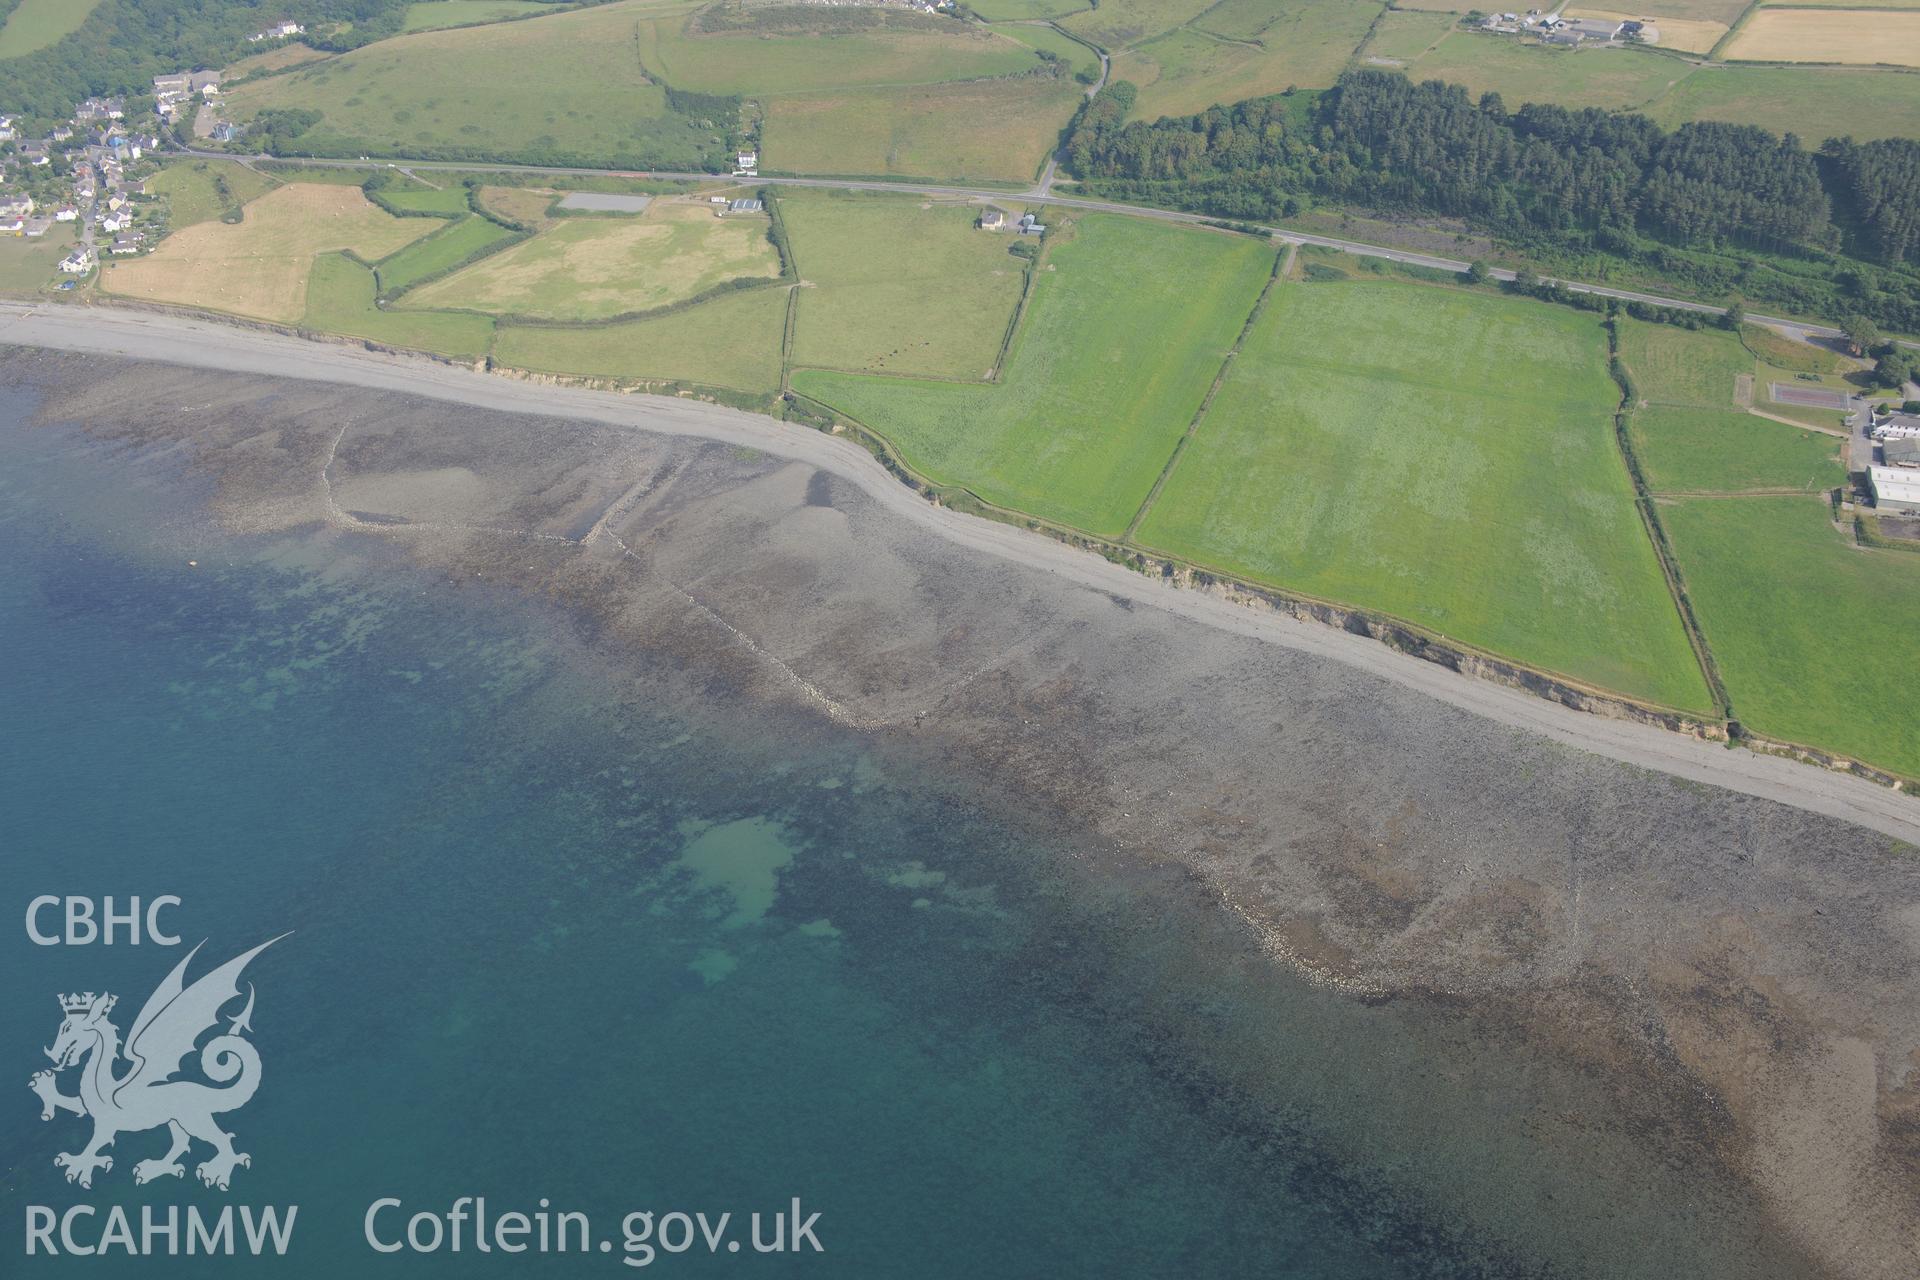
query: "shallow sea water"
554, 936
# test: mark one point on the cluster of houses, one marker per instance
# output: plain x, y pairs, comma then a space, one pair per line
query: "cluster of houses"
1894, 476
173, 93
1570, 32
89, 188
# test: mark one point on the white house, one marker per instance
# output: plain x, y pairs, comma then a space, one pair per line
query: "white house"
7, 132
279, 31
15, 206
66, 213
747, 161
77, 263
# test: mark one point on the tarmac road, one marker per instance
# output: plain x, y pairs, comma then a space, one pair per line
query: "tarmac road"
209, 344
1037, 196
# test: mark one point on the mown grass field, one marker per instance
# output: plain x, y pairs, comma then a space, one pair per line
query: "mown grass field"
450, 202
1725, 451
1305, 44
732, 342
902, 50
595, 268
449, 245
1116, 24
1027, 10
1814, 637
340, 295
1444, 456
1816, 103
1404, 36
1694, 367
990, 131
896, 285
1847, 36
1128, 326
202, 190
35, 24
259, 267
566, 87
432, 15
27, 266
1612, 78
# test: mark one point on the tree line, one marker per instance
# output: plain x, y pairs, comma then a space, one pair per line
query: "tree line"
1723, 207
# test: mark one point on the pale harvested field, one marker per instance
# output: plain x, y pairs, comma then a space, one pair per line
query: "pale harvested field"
595, 268
259, 268
1860, 36
1691, 35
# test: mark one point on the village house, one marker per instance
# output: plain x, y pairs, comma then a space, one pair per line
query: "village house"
7, 128
992, 220
37, 153
66, 213
206, 83
15, 206
101, 109
126, 244
745, 164
77, 263
279, 31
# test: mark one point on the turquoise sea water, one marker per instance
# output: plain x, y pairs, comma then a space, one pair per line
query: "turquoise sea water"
552, 939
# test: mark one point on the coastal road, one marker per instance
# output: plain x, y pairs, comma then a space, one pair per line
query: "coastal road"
1042, 194
211, 345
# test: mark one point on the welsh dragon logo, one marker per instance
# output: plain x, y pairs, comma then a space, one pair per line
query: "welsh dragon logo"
146, 1095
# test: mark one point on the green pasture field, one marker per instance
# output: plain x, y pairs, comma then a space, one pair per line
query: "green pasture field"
193, 194
565, 88
1813, 636
449, 201
1127, 327
895, 286
1026, 10
1726, 451
340, 296
1405, 36
35, 24
1187, 71
1036, 36
447, 247
1442, 455
1119, 23
26, 266
1613, 78
596, 268
432, 15
992, 131
731, 342
1675, 366
915, 51
1815, 103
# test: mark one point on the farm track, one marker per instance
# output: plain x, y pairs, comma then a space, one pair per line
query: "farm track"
210, 344
1356, 247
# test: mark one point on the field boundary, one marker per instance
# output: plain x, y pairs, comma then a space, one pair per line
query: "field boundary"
1281, 263
1391, 630
1644, 503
